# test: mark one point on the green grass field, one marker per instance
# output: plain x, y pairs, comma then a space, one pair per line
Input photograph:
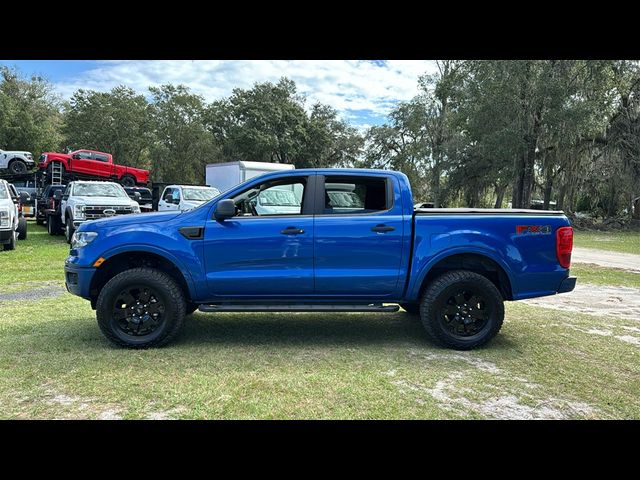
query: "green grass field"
627, 242
55, 363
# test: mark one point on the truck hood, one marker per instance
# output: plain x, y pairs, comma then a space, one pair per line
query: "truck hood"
130, 219
106, 201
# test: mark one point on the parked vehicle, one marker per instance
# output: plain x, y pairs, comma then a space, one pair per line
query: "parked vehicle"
16, 162
142, 196
46, 204
20, 199
29, 207
453, 267
89, 164
185, 197
90, 200
224, 176
9, 216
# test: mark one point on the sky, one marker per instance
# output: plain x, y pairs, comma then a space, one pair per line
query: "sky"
363, 92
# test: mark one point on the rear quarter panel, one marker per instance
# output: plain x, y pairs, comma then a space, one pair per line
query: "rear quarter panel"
528, 259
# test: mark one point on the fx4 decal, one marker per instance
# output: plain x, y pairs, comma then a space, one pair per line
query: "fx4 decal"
533, 229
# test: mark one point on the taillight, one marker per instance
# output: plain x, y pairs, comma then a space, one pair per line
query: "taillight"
564, 245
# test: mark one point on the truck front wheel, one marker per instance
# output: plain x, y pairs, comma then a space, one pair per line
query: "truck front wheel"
11, 244
141, 308
462, 310
53, 224
69, 230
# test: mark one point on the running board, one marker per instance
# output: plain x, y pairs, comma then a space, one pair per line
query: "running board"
299, 308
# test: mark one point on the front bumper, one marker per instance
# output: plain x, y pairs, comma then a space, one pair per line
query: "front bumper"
567, 285
77, 280
5, 235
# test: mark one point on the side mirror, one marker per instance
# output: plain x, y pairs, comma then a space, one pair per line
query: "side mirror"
57, 194
137, 196
169, 198
76, 156
225, 209
24, 197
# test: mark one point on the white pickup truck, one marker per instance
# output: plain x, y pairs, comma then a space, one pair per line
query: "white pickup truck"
9, 217
91, 200
185, 197
17, 162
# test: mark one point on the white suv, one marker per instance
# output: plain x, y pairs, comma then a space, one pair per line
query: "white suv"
185, 197
91, 200
8, 217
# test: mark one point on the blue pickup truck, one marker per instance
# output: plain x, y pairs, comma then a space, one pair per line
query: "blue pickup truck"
321, 240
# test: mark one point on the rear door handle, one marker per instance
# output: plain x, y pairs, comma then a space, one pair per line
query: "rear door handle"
382, 228
292, 231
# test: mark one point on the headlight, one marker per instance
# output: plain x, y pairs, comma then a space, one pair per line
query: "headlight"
136, 208
4, 218
82, 239
78, 212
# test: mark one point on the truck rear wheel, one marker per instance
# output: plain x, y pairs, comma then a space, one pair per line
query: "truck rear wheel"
53, 224
22, 228
462, 310
141, 308
128, 181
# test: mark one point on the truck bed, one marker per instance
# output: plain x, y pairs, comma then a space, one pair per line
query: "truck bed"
485, 211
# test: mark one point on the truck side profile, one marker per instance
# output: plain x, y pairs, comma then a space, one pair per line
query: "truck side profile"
90, 164
352, 242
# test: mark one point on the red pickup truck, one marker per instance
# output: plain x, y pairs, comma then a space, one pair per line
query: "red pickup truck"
83, 163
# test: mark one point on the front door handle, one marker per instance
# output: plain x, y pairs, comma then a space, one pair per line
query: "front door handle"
382, 228
292, 231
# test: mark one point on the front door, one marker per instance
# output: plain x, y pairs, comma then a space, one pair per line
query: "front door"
358, 237
266, 250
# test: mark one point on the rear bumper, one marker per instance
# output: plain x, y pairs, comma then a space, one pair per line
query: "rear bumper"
567, 285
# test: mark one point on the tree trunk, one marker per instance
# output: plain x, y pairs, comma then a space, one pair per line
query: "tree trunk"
500, 191
636, 209
561, 195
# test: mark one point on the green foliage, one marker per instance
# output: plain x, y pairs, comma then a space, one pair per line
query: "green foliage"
117, 122
30, 116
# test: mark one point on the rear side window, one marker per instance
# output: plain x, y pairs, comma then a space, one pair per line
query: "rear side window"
354, 195
100, 157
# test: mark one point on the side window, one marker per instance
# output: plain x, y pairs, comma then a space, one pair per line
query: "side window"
100, 157
355, 195
278, 197
166, 193
176, 194
67, 190
84, 155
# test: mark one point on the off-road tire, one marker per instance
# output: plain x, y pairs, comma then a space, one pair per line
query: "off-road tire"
53, 224
17, 167
171, 294
68, 230
22, 228
436, 296
128, 181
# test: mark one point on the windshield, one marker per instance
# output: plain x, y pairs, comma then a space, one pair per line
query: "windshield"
3, 191
98, 190
199, 194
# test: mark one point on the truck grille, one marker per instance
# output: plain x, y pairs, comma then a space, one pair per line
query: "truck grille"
97, 211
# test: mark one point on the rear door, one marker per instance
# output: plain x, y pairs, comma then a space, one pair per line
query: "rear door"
358, 236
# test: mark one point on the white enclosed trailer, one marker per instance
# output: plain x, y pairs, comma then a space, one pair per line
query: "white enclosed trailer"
224, 176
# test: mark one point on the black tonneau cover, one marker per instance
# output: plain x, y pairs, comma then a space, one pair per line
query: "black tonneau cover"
485, 211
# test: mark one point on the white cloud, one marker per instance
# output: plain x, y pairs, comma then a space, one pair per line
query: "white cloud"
350, 86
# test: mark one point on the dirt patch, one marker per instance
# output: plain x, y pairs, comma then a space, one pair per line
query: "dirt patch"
523, 401
623, 302
79, 407
605, 258
34, 293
